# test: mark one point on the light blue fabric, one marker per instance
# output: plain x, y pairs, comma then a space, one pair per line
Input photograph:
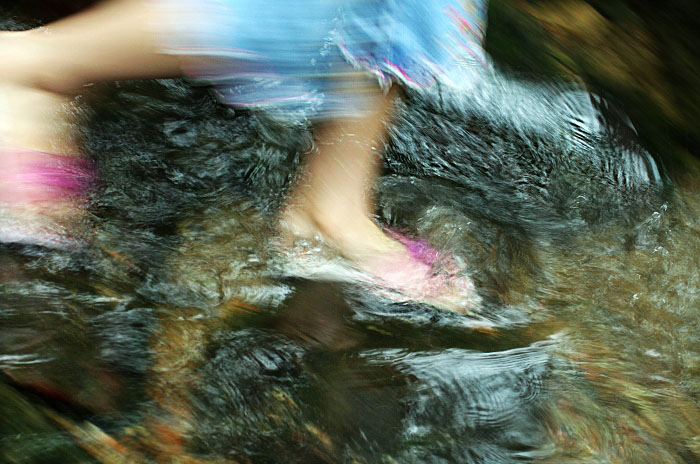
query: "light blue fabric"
414, 41
318, 58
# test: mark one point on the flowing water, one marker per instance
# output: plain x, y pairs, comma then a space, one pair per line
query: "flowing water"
175, 332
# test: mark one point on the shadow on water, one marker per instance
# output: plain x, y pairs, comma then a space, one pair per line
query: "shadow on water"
175, 333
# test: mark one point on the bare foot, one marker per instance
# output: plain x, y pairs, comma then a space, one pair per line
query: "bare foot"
399, 268
352, 234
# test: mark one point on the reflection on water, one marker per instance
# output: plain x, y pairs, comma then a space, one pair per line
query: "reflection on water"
175, 332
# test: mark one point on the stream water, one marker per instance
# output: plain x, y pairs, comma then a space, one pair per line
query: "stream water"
174, 333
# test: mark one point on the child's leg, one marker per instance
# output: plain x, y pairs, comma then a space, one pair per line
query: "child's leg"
111, 41
334, 197
42, 70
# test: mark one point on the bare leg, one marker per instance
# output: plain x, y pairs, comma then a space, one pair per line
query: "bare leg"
334, 197
43, 70
334, 201
111, 41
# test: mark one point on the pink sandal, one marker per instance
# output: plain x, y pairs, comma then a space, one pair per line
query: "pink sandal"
417, 273
40, 195
423, 274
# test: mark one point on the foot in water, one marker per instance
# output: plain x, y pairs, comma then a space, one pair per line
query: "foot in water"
393, 265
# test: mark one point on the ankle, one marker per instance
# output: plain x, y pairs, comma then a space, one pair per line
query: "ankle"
355, 235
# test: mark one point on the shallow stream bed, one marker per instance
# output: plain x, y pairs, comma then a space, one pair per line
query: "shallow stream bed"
181, 331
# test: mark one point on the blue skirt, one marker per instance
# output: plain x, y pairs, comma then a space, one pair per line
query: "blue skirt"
322, 58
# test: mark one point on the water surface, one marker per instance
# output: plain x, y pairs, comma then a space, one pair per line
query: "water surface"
179, 330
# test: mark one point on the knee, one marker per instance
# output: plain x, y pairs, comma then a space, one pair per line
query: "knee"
29, 61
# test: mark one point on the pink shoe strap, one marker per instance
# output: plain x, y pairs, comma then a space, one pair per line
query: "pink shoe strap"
69, 175
418, 248
35, 184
